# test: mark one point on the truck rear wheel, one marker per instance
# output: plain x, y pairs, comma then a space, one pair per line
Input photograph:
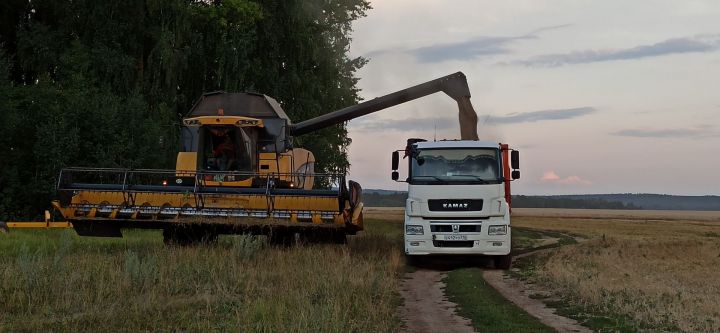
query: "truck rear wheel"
503, 262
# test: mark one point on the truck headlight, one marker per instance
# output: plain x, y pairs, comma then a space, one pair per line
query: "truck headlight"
414, 229
497, 230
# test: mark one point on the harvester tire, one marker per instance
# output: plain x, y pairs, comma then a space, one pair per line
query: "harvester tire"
188, 236
503, 262
176, 237
325, 237
281, 238
338, 237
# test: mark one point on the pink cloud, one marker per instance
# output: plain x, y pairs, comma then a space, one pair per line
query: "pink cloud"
552, 177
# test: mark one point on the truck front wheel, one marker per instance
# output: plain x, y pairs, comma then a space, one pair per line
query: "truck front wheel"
503, 262
414, 261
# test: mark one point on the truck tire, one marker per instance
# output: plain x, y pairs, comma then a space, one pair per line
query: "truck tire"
414, 261
503, 262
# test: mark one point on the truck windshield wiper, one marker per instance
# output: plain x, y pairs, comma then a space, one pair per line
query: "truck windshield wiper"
433, 177
483, 181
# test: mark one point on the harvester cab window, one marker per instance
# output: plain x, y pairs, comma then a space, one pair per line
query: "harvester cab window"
226, 148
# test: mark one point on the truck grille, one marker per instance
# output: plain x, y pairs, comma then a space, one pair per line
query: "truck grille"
455, 205
453, 243
461, 228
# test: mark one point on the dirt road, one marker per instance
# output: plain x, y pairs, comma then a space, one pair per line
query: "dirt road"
426, 309
517, 292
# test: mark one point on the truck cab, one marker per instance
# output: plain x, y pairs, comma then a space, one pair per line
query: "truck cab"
459, 199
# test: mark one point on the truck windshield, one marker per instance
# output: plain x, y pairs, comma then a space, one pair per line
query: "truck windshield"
456, 166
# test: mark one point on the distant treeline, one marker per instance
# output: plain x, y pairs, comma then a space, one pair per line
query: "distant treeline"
525, 201
384, 198
656, 201
389, 199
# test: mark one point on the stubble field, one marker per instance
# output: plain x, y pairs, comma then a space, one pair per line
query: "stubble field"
53, 280
660, 269
656, 270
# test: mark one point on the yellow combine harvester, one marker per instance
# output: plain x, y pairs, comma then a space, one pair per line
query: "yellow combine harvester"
237, 172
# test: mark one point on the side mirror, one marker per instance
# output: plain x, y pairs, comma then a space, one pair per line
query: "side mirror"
395, 175
395, 160
515, 174
515, 159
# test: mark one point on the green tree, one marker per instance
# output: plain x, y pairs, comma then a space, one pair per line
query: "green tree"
105, 83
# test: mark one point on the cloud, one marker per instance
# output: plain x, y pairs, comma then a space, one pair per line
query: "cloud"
534, 116
697, 132
466, 50
666, 47
549, 28
552, 177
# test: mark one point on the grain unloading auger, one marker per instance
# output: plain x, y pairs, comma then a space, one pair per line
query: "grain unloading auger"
237, 172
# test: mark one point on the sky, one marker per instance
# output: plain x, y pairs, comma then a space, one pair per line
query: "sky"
599, 96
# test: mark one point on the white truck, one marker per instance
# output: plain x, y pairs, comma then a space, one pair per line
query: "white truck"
458, 198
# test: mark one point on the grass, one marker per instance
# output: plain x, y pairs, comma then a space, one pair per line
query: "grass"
56, 281
487, 309
484, 306
525, 240
633, 274
597, 318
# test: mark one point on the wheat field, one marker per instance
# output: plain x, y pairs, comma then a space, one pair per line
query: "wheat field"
53, 280
660, 268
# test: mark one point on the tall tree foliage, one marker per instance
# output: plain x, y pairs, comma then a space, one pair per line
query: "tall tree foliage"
105, 83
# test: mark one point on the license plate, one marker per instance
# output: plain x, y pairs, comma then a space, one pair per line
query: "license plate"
455, 237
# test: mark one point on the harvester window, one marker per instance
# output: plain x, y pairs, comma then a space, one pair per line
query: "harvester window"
226, 148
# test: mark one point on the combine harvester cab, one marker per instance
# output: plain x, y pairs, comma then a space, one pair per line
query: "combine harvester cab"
237, 173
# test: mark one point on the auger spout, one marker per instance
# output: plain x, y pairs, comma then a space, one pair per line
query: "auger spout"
454, 85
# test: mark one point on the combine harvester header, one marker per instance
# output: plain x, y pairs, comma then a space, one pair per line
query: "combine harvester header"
237, 172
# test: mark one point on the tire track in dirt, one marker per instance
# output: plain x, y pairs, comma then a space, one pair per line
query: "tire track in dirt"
426, 308
518, 292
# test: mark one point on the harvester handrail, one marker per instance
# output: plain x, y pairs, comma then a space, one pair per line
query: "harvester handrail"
229, 172
124, 182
